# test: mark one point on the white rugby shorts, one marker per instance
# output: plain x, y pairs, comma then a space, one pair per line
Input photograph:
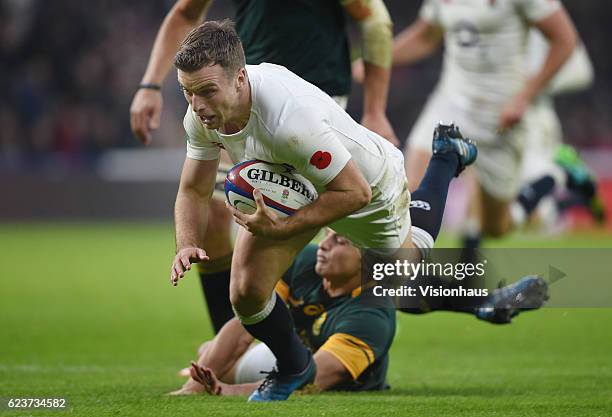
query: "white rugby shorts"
498, 165
544, 135
385, 222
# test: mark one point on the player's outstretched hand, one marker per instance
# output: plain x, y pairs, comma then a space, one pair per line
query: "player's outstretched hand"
207, 378
183, 260
513, 112
145, 112
261, 223
380, 124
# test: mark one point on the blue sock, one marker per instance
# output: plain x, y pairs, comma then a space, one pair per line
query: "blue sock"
531, 194
471, 242
278, 333
429, 200
215, 286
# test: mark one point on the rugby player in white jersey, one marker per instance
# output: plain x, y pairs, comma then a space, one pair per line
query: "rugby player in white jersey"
547, 163
484, 86
266, 112
273, 31
543, 171
544, 131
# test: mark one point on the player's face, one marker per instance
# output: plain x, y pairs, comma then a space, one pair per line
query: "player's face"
337, 257
213, 94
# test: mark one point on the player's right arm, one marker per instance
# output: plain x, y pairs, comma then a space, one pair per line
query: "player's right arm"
191, 214
575, 75
377, 38
551, 19
146, 106
419, 40
307, 141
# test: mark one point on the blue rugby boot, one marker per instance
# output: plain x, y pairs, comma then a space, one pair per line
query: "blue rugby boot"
448, 139
528, 293
278, 387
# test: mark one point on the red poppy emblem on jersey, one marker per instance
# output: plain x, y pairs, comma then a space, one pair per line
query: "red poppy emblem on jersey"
321, 159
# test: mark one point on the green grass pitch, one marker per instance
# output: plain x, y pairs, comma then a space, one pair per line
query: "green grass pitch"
87, 313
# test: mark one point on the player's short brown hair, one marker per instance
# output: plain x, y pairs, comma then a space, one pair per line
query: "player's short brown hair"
211, 43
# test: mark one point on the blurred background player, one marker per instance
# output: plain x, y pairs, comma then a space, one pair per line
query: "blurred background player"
484, 87
546, 160
350, 337
307, 37
549, 169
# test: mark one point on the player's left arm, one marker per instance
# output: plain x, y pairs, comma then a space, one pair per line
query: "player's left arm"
227, 347
146, 107
308, 143
562, 37
330, 372
219, 356
346, 193
360, 338
377, 43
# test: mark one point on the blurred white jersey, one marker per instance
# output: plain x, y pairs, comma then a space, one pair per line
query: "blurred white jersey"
484, 59
543, 127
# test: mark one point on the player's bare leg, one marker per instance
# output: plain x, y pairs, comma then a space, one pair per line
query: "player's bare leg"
472, 229
495, 218
257, 266
490, 216
218, 239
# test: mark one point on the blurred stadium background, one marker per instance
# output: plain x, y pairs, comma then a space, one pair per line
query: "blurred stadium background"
86, 310
69, 72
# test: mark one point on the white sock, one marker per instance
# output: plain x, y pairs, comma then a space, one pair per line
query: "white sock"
257, 317
518, 214
422, 240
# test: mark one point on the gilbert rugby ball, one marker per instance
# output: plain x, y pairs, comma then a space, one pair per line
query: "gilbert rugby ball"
283, 189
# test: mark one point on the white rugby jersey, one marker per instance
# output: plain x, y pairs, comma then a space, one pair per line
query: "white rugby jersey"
293, 122
485, 47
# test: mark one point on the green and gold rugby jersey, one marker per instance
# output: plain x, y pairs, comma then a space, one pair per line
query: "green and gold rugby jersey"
306, 36
358, 335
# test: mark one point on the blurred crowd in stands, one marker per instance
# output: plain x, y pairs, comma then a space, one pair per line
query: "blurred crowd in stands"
70, 67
